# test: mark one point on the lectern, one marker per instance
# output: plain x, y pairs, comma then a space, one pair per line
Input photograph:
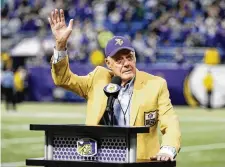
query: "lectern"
93, 146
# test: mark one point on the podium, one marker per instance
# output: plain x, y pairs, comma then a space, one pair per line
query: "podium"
95, 146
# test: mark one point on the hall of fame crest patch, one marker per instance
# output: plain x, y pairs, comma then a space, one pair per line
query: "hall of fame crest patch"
150, 118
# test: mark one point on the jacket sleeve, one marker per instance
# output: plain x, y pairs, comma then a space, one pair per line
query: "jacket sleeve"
169, 123
63, 77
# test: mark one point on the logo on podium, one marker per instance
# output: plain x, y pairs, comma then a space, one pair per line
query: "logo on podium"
86, 147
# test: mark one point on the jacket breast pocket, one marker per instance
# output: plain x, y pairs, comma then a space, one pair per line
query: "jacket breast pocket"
150, 118
148, 115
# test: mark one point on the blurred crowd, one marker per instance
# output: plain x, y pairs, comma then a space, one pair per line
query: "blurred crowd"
148, 23
176, 32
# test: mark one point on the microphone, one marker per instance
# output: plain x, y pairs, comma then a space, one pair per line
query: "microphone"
111, 91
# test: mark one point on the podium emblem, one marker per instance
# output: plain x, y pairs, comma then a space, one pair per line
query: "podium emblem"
86, 147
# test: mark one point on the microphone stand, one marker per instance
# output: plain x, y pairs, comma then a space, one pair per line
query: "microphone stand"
112, 114
110, 111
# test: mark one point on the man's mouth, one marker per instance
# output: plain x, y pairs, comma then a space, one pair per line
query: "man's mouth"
127, 71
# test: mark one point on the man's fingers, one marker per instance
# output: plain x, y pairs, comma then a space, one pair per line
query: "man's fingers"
153, 158
171, 158
166, 158
162, 158
70, 26
57, 15
158, 158
62, 17
50, 22
53, 17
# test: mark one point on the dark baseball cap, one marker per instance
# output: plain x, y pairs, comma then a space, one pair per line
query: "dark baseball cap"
116, 44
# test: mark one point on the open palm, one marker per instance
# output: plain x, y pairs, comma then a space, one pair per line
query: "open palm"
58, 26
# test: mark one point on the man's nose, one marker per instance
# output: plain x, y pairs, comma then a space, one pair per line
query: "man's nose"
126, 62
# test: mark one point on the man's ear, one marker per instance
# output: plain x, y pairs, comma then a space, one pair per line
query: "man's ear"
108, 63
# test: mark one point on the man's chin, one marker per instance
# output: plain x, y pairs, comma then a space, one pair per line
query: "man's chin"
127, 77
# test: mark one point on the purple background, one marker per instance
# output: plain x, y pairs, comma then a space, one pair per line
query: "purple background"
41, 84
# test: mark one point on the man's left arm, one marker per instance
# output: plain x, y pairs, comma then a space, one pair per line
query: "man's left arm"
169, 126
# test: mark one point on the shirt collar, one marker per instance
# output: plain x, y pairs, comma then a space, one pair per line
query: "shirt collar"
129, 83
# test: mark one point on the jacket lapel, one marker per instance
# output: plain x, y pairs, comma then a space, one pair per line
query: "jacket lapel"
103, 99
103, 106
136, 98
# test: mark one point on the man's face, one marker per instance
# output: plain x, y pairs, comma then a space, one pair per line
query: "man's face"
123, 64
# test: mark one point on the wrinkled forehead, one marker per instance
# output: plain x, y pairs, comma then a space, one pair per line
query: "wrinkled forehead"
123, 52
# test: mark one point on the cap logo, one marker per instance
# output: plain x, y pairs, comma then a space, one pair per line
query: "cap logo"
119, 41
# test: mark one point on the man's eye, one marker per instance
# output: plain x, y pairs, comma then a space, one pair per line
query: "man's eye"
119, 61
130, 58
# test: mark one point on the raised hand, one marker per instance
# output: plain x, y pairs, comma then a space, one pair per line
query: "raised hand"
59, 29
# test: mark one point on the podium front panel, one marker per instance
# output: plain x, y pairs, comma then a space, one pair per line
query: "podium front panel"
83, 147
109, 149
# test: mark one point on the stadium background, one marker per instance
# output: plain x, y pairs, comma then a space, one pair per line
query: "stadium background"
182, 41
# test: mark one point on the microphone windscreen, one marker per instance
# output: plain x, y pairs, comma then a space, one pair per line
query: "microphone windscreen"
113, 88
116, 80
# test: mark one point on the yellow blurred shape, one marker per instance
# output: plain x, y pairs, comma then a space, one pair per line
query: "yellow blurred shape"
208, 81
18, 81
104, 37
6, 60
97, 58
212, 56
4, 56
188, 94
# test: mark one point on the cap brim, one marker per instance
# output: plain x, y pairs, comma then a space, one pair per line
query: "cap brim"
118, 49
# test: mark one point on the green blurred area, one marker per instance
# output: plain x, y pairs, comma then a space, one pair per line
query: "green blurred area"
203, 137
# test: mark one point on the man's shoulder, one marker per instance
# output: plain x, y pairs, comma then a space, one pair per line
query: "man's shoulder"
147, 76
102, 71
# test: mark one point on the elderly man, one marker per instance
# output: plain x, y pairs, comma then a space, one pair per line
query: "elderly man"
142, 101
